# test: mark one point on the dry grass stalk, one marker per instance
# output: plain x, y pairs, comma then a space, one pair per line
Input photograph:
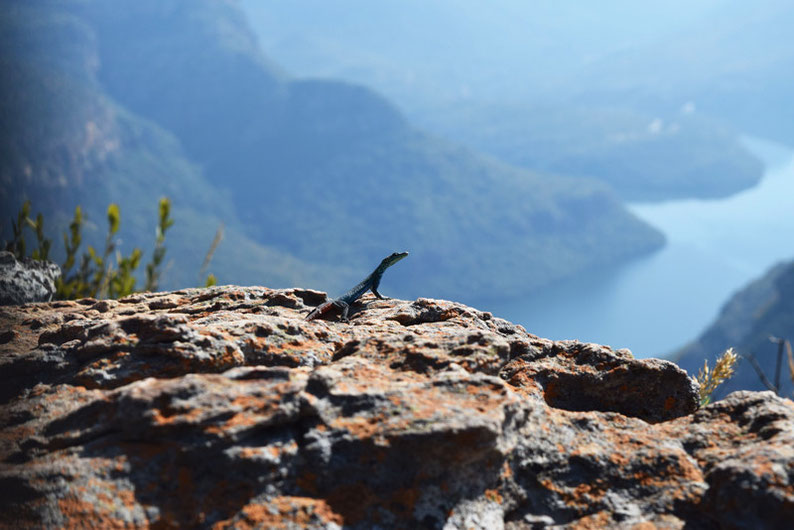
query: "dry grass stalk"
709, 379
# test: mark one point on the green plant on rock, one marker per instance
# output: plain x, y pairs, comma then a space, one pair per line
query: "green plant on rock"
43, 250
97, 276
93, 274
17, 243
153, 267
73, 286
709, 380
122, 282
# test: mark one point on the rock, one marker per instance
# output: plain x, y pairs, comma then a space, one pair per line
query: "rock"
223, 408
26, 281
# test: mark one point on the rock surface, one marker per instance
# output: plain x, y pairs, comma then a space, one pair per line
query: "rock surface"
26, 281
223, 408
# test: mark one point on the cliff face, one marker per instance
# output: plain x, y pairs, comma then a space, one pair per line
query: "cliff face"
223, 407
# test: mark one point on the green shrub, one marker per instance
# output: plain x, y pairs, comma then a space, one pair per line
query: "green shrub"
95, 275
153, 267
17, 244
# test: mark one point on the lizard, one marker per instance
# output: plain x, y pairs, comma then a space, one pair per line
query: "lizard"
371, 282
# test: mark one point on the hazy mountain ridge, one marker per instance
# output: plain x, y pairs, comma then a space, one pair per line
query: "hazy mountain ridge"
642, 155
332, 173
736, 63
67, 143
762, 309
514, 79
452, 51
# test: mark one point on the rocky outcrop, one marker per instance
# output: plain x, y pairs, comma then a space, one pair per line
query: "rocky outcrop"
26, 281
224, 408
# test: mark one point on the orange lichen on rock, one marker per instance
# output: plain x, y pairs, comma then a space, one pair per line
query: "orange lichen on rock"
225, 408
551, 391
282, 512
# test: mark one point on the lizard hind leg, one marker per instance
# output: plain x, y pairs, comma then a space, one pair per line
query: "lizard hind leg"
345, 309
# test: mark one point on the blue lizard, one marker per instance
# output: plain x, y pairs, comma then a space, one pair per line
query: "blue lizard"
371, 282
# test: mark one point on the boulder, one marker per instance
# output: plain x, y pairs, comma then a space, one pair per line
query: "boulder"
223, 408
26, 281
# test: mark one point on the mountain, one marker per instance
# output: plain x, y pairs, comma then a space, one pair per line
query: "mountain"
317, 180
66, 142
429, 54
333, 173
731, 58
643, 156
508, 78
763, 309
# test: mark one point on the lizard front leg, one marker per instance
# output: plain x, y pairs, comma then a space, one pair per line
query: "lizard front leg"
374, 290
377, 294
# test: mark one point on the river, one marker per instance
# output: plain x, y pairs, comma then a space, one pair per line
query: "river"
658, 303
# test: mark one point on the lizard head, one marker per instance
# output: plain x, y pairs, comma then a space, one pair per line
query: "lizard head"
390, 260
